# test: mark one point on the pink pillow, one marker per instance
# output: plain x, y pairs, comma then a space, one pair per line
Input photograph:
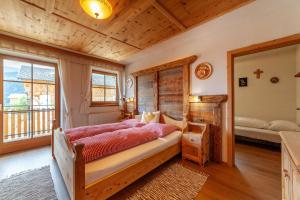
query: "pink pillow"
133, 123
161, 129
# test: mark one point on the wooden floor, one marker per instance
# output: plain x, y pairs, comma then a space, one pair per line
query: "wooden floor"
256, 176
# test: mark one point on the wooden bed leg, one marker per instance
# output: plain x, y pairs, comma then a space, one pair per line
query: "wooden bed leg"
54, 126
79, 172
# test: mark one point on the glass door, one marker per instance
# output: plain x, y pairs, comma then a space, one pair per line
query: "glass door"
30, 97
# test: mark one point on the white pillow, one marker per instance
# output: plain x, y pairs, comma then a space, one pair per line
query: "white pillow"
155, 119
138, 117
283, 125
251, 122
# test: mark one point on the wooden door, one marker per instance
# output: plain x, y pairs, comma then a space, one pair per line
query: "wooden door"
29, 102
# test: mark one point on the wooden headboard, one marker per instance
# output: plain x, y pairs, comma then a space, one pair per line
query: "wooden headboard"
164, 87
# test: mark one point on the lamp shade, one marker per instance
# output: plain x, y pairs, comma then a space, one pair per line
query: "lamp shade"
99, 9
195, 99
129, 100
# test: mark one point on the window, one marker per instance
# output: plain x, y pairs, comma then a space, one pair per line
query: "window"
30, 98
104, 88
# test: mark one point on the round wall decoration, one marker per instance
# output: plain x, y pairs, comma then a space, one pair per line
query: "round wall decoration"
274, 80
203, 71
129, 82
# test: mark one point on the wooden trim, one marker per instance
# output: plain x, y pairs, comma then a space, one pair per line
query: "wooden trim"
168, 15
155, 91
25, 144
1, 99
96, 71
104, 103
186, 90
176, 63
136, 85
56, 49
264, 46
213, 99
33, 61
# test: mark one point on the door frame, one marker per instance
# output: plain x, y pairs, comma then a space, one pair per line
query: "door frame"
32, 142
264, 46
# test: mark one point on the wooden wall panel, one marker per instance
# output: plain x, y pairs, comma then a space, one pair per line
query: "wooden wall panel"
209, 111
146, 99
170, 92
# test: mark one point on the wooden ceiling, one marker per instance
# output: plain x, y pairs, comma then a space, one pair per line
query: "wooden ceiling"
134, 25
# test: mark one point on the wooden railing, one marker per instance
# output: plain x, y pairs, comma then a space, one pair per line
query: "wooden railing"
27, 124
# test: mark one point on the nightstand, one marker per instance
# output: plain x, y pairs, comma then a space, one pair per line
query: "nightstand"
126, 115
195, 143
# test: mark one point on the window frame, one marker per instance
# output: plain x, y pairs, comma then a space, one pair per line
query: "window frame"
104, 103
32, 82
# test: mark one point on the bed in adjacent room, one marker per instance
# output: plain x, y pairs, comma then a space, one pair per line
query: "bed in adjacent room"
261, 131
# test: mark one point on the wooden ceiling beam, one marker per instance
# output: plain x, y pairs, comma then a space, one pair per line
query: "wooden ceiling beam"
50, 6
168, 15
120, 20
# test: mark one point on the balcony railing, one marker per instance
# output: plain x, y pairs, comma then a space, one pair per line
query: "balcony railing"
18, 125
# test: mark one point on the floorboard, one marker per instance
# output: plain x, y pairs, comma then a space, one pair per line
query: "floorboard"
256, 175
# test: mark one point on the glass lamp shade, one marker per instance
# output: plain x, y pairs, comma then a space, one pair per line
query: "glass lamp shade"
195, 99
99, 9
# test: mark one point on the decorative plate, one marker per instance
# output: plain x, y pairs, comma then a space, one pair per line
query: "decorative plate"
203, 71
129, 82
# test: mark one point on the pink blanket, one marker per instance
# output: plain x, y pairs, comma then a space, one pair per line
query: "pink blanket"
88, 131
102, 145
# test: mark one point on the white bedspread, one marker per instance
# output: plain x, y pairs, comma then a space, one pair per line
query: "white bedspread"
260, 134
106, 166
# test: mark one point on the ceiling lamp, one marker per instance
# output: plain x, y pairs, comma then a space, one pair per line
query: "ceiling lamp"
99, 9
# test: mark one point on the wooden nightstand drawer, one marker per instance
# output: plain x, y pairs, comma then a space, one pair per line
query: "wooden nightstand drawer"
193, 151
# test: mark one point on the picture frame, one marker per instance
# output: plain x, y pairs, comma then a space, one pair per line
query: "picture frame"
243, 82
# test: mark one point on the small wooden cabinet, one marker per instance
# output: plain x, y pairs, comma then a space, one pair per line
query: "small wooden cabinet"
290, 166
195, 143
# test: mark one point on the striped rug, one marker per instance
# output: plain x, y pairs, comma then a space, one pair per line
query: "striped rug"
171, 181
29, 185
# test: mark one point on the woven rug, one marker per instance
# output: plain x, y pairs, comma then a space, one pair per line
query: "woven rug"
29, 185
171, 181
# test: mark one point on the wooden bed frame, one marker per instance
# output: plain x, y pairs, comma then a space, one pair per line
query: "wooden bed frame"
72, 167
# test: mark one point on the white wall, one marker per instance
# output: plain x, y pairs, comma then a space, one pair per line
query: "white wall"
256, 22
298, 84
262, 99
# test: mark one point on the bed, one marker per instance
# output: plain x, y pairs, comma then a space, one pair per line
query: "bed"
163, 88
262, 131
102, 178
257, 134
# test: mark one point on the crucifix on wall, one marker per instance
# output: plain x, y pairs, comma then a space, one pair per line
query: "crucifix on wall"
258, 72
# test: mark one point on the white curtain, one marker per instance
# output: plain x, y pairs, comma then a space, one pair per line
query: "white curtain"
66, 85
86, 89
120, 87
